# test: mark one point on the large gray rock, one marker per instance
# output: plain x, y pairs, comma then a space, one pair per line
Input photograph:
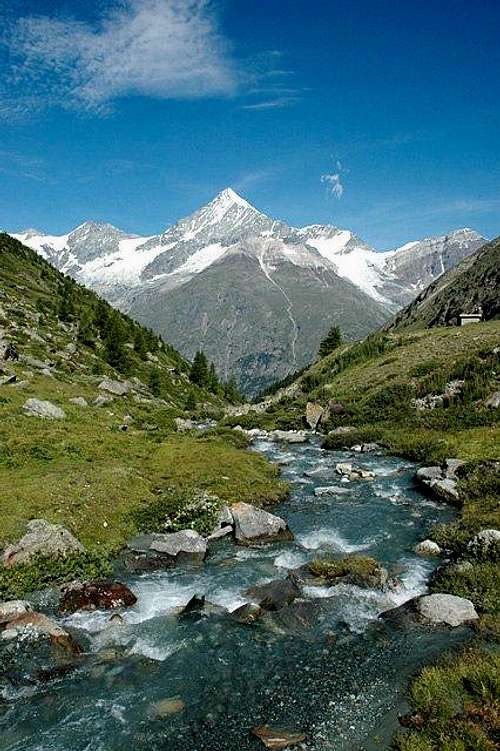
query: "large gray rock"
425, 475
288, 436
44, 409
41, 538
13, 609
186, 545
445, 490
433, 610
255, 525
118, 388
184, 425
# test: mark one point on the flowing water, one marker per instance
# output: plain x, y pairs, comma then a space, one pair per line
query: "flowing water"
326, 667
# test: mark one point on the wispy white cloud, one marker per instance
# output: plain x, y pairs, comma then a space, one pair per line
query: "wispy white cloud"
333, 181
272, 104
158, 48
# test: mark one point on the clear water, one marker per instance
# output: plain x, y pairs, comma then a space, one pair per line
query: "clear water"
331, 670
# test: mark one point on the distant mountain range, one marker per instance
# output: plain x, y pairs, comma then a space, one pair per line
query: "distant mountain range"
256, 294
472, 284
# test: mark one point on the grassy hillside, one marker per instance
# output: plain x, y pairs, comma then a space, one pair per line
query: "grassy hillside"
475, 281
93, 469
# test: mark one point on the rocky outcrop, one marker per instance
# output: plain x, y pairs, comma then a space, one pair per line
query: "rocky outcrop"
43, 409
275, 594
433, 610
183, 426
224, 526
199, 607
42, 538
37, 625
277, 738
13, 609
101, 595
252, 524
166, 549
118, 388
441, 481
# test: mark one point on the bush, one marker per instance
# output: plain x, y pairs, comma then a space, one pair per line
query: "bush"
175, 510
47, 571
338, 441
480, 583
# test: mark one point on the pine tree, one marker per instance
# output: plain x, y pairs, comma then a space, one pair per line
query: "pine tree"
155, 382
66, 308
213, 381
331, 341
231, 392
140, 343
101, 319
199, 370
86, 332
116, 353
190, 404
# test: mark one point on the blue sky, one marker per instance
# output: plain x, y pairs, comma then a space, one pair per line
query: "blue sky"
383, 117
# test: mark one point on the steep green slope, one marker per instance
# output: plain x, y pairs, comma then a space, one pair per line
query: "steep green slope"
474, 282
104, 459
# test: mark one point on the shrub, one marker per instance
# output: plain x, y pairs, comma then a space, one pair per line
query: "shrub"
175, 510
47, 571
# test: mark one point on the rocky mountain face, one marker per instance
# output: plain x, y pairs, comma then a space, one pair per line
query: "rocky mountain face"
473, 283
256, 294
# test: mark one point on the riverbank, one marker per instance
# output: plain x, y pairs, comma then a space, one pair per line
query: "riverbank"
305, 666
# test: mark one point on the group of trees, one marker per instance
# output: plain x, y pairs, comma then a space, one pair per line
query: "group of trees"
99, 323
204, 375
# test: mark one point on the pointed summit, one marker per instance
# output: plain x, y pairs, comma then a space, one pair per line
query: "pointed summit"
228, 197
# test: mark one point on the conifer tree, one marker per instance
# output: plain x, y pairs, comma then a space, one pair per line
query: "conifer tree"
155, 382
114, 344
331, 341
213, 381
140, 343
199, 370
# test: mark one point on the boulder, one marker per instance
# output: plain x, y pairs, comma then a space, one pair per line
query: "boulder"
101, 401
493, 401
44, 409
343, 468
99, 595
38, 625
288, 436
247, 614
184, 425
371, 448
8, 379
425, 475
275, 594
186, 545
252, 524
433, 610
167, 707
277, 738
199, 607
42, 538
445, 490
362, 474
13, 609
79, 401
224, 524
428, 548
118, 388
314, 413
486, 544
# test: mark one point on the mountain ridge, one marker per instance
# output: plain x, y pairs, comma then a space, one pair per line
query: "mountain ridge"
291, 276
